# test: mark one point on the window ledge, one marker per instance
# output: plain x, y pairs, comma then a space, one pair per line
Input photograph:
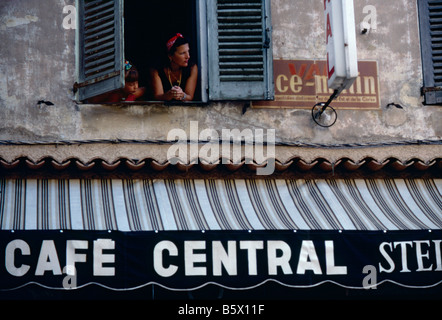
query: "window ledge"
148, 103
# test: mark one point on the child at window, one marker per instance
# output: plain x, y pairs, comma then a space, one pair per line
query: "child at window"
130, 92
177, 78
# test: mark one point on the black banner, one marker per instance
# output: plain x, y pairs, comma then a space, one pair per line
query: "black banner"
180, 260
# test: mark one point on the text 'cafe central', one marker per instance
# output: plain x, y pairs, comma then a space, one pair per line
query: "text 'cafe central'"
238, 260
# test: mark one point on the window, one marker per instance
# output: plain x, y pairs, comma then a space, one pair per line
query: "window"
430, 17
231, 43
147, 27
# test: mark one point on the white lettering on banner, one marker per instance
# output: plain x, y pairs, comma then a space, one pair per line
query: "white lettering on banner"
158, 265
330, 260
201, 258
308, 259
48, 257
279, 255
282, 261
24, 249
422, 251
190, 258
251, 247
100, 257
221, 257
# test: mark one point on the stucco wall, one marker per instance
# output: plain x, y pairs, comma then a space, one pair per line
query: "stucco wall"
37, 62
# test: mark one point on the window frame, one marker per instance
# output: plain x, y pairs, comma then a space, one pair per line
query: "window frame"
203, 61
206, 75
431, 91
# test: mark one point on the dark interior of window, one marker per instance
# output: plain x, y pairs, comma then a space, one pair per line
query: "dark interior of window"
148, 26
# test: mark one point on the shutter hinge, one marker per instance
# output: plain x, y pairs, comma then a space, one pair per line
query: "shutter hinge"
267, 39
430, 89
95, 80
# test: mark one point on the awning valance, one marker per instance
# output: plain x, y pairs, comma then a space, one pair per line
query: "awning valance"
216, 204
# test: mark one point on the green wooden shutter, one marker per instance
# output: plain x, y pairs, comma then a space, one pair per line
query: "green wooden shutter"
240, 50
100, 47
430, 17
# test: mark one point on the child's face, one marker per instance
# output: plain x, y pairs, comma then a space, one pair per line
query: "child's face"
131, 87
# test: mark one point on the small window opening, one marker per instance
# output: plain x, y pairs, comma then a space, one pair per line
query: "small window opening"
147, 27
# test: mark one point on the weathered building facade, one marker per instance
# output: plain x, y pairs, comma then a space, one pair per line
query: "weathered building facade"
40, 64
388, 125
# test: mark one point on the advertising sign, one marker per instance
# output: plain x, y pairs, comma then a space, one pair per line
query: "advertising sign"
303, 83
342, 61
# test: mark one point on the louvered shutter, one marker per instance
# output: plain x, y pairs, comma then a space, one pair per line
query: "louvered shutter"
100, 47
430, 17
240, 50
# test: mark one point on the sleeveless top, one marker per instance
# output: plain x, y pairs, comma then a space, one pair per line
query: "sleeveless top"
165, 78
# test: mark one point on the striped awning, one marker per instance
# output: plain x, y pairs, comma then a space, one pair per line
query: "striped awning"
217, 204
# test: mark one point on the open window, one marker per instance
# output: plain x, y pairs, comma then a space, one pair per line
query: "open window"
230, 41
148, 26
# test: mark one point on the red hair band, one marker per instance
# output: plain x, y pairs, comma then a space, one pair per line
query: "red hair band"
172, 41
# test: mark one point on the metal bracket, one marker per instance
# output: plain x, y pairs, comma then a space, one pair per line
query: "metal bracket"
323, 118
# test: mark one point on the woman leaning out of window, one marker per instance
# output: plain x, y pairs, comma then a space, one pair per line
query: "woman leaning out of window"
177, 78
